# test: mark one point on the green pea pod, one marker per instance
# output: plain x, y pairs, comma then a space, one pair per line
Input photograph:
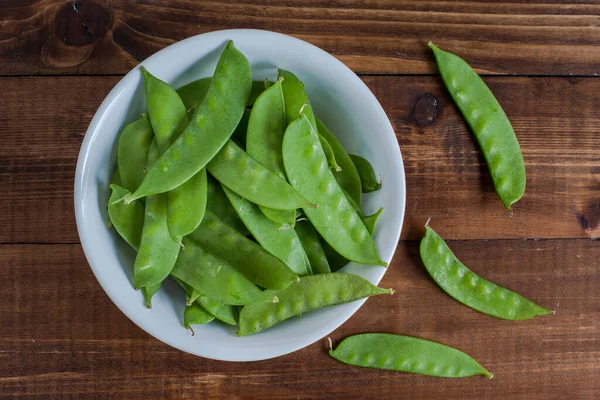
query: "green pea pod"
264, 137
219, 204
168, 117
329, 154
406, 354
370, 221
489, 123
196, 315
308, 294
132, 152
210, 128
368, 179
149, 292
128, 220
213, 276
258, 265
282, 243
295, 98
348, 178
312, 247
239, 134
335, 218
158, 251
193, 93
221, 311
470, 289
234, 168
191, 294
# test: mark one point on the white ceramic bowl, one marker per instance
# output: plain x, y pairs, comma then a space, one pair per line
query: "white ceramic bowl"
339, 98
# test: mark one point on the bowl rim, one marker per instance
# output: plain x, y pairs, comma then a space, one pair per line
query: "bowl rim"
79, 186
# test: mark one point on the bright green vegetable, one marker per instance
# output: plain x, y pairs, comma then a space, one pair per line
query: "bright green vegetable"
368, 180
335, 218
213, 276
312, 247
309, 293
221, 311
168, 117
149, 292
348, 177
489, 123
158, 251
219, 204
235, 169
210, 128
196, 315
406, 354
128, 220
282, 243
132, 152
470, 289
258, 265
329, 154
193, 93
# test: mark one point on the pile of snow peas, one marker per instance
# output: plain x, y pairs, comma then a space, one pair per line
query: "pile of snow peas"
232, 188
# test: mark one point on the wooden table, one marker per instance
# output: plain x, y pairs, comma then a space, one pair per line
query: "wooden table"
61, 336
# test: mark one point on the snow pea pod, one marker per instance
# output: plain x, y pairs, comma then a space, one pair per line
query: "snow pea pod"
470, 289
335, 218
210, 128
158, 251
295, 98
329, 154
128, 220
191, 294
263, 141
221, 311
258, 265
235, 169
282, 243
368, 180
168, 117
149, 292
239, 134
194, 314
406, 354
312, 247
219, 204
132, 152
309, 293
193, 93
489, 123
213, 276
348, 177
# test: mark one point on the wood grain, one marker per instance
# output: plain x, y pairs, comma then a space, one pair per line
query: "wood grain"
556, 120
370, 36
61, 334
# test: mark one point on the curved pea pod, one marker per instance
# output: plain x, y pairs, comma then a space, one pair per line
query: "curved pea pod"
312, 247
168, 117
348, 178
406, 354
308, 294
295, 98
213, 276
149, 292
194, 314
128, 220
258, 265
235, 169
193, 93
368, 180
158, 251
210, 128
470, 289
191, 294
263, 141
370, 221
282, 243
335, 218
329, 154
239, 134
132, 152
221, 311
489, 123
219, 204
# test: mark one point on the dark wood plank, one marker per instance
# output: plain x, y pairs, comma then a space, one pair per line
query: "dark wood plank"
373, 36
61, 336
44, 119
